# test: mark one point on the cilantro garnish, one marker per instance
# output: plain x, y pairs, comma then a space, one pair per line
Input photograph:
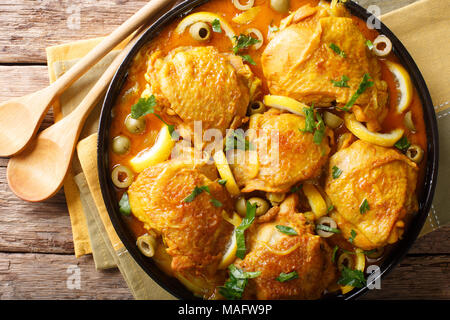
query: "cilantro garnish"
196, 192
244, 42
403, 144
352, 236
216, 26
342, 83
354, 278
234, 287
283, 277
364, 207
237, 140
336, 172
338, 50
286, 230
318, 128
333, 255
365, 83
240, 231
216, 203
294, 189
143, 107
369, 44
222, 182
248, 58
124, 205
326, 228
330, 208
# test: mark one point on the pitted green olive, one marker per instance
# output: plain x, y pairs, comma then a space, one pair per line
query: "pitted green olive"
280, 5
262, 206
200, 31
241, 206
415, 153
121, 145
135, 126
256, 107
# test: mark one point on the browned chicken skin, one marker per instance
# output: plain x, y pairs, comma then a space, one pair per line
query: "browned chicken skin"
386, 179
272, 252
299, 63
299, 158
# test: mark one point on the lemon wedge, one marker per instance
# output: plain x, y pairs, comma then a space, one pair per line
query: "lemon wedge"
247, 16
380, 139
360, 265
158, 153
315, 200
404, 85
225, 173
208, 17
285, 103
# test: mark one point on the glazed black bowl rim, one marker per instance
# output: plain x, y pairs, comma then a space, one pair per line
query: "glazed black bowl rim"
125, 234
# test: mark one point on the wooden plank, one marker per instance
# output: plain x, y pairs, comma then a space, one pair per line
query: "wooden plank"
436, 242
45, 276
422, 277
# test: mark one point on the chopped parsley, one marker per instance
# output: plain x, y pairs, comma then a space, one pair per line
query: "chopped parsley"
365, 84
143, 107
248, 58
216, 203
196, 192
235, 285
333, 255
354, 278
403, 144
244, 42
294, 189
330, 208
240, 231
222, 182
326, 228
216, 26
124, 205
318, 128
364, 207
286, 230
237, 140
283, 277
342, 83
337, 50
310, 122
369, 44
352, 236
336, 172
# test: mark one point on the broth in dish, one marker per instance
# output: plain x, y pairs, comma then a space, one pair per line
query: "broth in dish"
268, 149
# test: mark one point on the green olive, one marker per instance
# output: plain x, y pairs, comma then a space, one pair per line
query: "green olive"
135, 126
200, 31
415, 153
257, 107
280, 5
375, 253
241, 206
262, 206
122, 176
346, 260
121, 145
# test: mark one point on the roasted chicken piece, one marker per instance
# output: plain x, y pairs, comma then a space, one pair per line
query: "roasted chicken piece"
194, 232
272, 253
282, 154
301, 61
201, 84
374, 193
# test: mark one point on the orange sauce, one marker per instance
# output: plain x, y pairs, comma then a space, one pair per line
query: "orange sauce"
168, 40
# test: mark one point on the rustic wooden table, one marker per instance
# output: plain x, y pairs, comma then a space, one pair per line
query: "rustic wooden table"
36, 249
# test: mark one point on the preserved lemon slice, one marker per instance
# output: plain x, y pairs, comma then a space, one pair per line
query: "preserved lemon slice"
405, 87
360, 265
247, 16
315, 200
205, 17
381, 139
158, 153
285, 103
225, 173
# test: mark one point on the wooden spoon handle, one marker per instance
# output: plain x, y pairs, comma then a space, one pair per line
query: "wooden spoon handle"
109, 43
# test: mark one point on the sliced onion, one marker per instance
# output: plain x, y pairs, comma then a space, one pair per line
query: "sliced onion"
409, 123
332, 120
259, 35
240, 6
387, 46
327, 221
122, 177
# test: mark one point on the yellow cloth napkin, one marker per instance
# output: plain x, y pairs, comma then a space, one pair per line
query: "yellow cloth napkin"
423, 29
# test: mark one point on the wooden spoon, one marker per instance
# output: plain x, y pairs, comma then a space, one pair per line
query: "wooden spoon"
20, 118
38, 172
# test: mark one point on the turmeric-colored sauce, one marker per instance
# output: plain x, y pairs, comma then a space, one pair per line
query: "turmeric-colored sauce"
168, 40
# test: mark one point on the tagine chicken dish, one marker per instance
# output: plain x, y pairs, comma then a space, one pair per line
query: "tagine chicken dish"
268, 149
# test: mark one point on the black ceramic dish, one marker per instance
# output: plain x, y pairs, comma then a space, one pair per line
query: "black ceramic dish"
171, 284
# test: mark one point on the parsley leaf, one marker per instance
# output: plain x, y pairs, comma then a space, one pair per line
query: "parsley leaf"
240, 231
143, 107
216, 26
237, 140
124, 205
354, 278
286, 230
294, 189
365, 84
338, 50
320, 130
369, 44
216, 203
342, 83
283, 277
333, 255
330, 208
310, 122
402, 144
353, 234
222, 182
326, 228
364, 207
234, 287
336, 172
248, 58
196, 192
244, 42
